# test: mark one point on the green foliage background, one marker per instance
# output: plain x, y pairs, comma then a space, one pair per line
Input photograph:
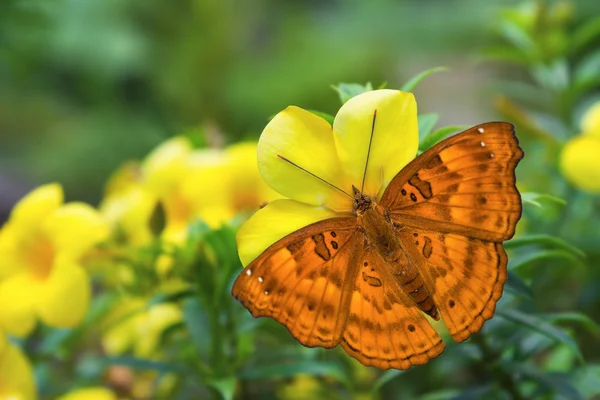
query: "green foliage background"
88, 84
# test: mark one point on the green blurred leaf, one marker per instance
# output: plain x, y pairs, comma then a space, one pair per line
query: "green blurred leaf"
140, 364
587, 73
443, 394
172, 297
412, 83
438, 135
556, 382
585, 34
539, 325
518, 286
346, 91
197, 324
505, 53
574, 317
327, 117
587, 380
225, 386
384, 378
536, 199
543, 240
291, 369
554, 76
426, 124
519, 37
534, 257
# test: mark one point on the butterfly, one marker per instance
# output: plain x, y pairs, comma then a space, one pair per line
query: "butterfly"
430, 246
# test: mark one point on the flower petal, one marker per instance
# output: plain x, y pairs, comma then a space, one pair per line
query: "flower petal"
16, 375
395, 136
274, 221
35, 206
164, 167
75, 228
579, 162
92, 393
17, 314
64, 297
307, 140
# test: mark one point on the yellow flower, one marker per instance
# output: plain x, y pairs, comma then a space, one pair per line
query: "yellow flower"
92, 393
580, 162
138, 329
16, 375
590, 122
336, 154
128, 206
209, 184
42, 246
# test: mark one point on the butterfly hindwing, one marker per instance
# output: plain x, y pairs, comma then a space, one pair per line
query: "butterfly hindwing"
464, 184
302, 279
465, 275
385, 328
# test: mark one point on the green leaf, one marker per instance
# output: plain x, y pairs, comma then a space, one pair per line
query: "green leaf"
585, 34
426, 124
539, 325
197, 323
532, 258
327, 117
412, 83
587, 72
518, 286
574, 317
386, 377
543, 240
225, 386
438, 135
346, 91
557, 382
140, 364
536, 199
288, 370
176, 296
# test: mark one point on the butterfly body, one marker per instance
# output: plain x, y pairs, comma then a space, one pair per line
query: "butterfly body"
432, 244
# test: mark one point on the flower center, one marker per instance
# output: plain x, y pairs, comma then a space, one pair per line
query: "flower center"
40, 257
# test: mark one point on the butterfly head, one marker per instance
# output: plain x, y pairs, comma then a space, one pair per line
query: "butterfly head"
362, 202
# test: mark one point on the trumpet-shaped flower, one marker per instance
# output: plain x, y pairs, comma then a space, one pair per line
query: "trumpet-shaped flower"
16, 375
134, 327
42, 245
579, 158
210, 184
336, 154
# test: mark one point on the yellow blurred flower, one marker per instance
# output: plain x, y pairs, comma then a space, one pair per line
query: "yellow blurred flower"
16, 375
136, 328
42, 246
590, 122
210, 184
580, 162
336, 154
128, 206
92, 393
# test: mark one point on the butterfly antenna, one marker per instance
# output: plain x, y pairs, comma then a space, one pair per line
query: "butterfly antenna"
362, 188
311, 174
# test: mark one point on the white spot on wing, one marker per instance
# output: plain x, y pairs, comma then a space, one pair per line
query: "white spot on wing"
248, 272
260, 279
482, 144
480, 130
491, 155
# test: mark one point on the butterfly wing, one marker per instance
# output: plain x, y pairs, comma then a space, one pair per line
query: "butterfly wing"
385, 328
464, 184
304, 281
453, 206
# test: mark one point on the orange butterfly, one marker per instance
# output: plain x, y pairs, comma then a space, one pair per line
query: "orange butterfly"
431, 245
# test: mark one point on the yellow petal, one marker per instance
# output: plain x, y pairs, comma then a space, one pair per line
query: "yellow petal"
63, 299
157, 319
590, 122
274, 221
395, 136
10, 260
75, 228
17, 314
93, 393
36, 206
580, 163
307, 140
165, 166
16, 375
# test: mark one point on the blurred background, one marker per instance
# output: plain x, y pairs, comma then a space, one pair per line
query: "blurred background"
87, 85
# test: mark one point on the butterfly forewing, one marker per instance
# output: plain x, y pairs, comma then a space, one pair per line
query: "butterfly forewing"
302, 279
464, 184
